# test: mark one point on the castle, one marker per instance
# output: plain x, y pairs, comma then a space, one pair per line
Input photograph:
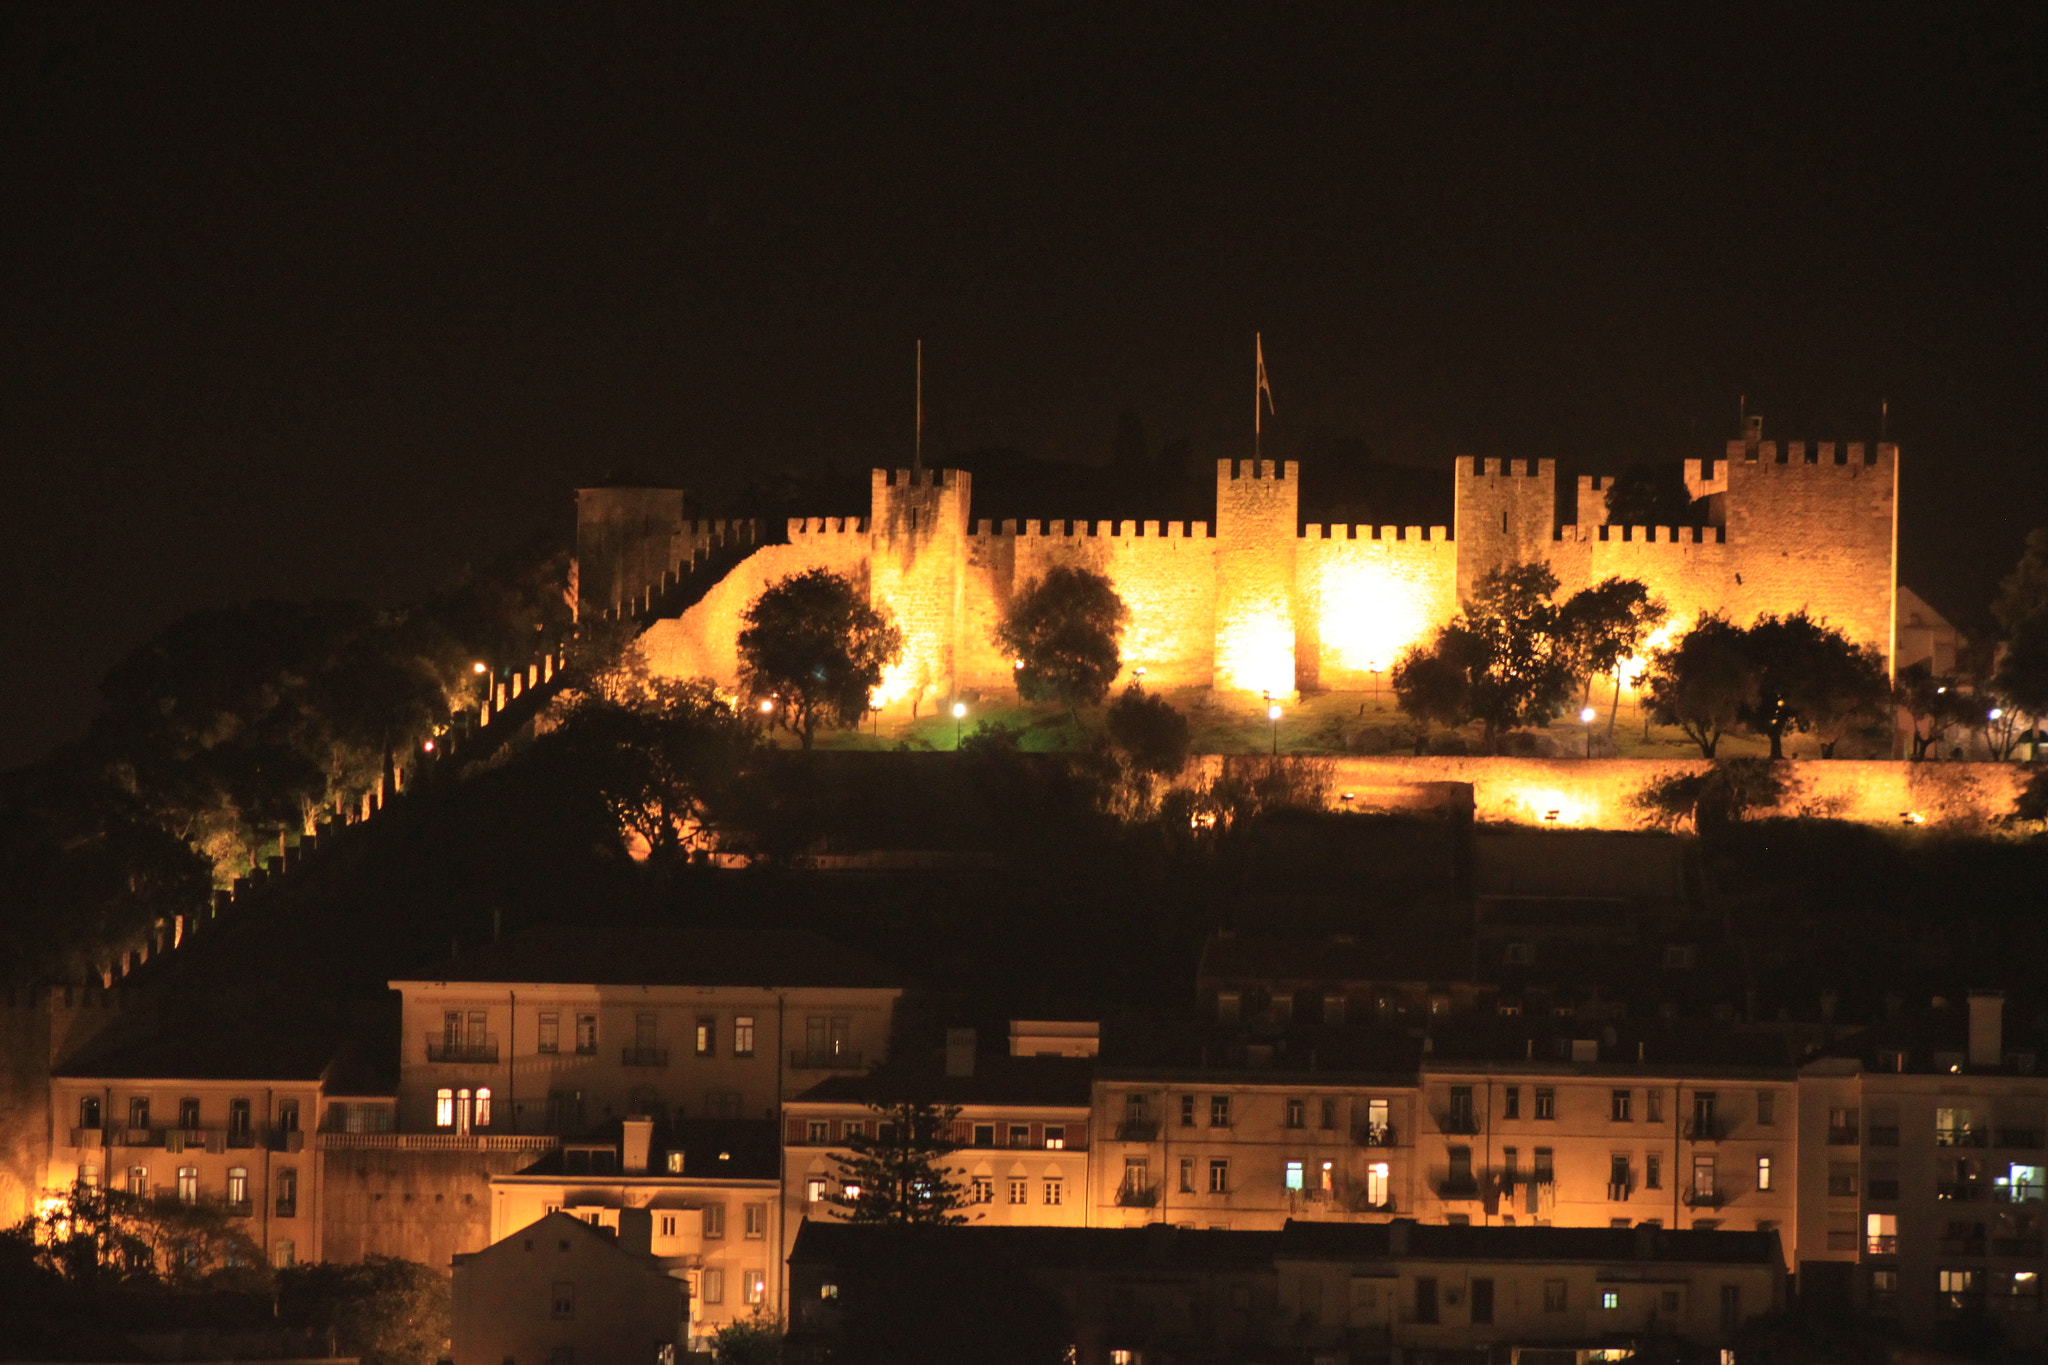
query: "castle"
1258, 603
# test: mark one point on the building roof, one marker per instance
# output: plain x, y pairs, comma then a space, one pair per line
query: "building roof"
997, 1080
1340, 959
1157, 1246
210, 1052
556, 1224
1430, 1242
646, 955
713, 1149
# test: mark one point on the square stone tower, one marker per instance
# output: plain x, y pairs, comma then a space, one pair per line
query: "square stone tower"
1257, 541
917, 572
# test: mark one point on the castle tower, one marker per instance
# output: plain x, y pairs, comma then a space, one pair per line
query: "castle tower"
625, 542
917, 573
1257, 503
1506, 513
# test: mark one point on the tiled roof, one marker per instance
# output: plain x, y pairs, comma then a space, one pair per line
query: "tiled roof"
1129, 1250
656, 956
1431, 1242
1045, 1081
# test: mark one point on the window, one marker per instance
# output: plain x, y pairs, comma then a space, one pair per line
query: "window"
283, 1255
1731, 1307
1546, 1102
1219, 1111
89, 1176
1460, 1172
1187, 1175
1511, 1102
1020, 1190
1618, 1106
1670, 1300
1653, 1171
89, 1112
1884, 1289
1329, 1113
550, 1032
483, 1107
757, 1286
1297, 1113
814, 1190
714, 1221
1842, 1179
188, 1114
982, 1190
1953, 1128
1554, 1297
1510, 1166
1766, 1108
1461, 1109
444, 1108
1293, 1175
1880, 1234
138, 1111
462, 1110
757, 1220
2021, 1184
1226, 1007
1219, 1175
1054, 1188
1333, 1008
707, 1036
1378, 1119
711, 1285
984, 1135
1482, 1301
1610, 1299
1187, 1111
1378, 1184
1703, 1104
1703, 1177
188, 1184
138, 1181
1327, 1177
1763, 1173
1425, 1298
1653, 1106
1055, 1136
1618, 1176
1519, 954
586, 1035
287, 1116
743, 1035
817, 1130
855, 1128
238, 1184
1020, 1135
1546, 1170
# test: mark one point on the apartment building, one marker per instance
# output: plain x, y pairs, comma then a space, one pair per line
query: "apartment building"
1025, 1156
1922, 1147
212, 1118
701, 1193
1609, 1132
1245, 1148
560, 1290
557, 1029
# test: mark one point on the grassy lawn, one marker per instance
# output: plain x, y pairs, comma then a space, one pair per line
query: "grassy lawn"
1327, 723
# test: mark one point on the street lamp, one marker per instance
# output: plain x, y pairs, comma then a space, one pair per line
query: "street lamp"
478, 668
959, 714
1374, 669
1273, 715
1586, 714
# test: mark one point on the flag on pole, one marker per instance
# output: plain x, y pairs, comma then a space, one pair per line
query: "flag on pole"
1262, 390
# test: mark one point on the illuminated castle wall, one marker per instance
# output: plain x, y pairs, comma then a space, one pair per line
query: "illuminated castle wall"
1261, 603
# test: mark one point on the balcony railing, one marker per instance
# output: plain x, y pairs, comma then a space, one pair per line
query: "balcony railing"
643, 1056
1886, 1244
2016, 1194
1375, 1135
1457, 1187
1138, 1130
1696, 1198
442, 1048
88, 1137
1362, 1202
239, 1208
824, 1061
287, 1208
287, 1140
1960, 1190
1462, 1125
1619, 1191
1842, 1137
241, 1137
1135, 1196
1959, 1137
1881, 1135
1705, 1128
138, 1137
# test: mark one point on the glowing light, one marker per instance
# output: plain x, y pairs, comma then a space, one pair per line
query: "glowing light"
428, 746
478, 668
1545, 805
1140, 672
1586, 714
766, 706
1016, 664
1912, 817
1995, 712
959, 709
1273, 712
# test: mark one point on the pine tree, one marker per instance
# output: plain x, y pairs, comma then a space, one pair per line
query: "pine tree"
897, 1175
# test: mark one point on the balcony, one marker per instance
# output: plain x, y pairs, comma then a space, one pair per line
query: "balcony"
138, 1137
1696, 1198
1883, 1191
88, 1137
1705, 1128
1842, 1137
824, 1061
1619, 1191
1362, 1202
484, 1051
1881, 1135
1458, 1125
1375, 1135
1959, 1137
2023, 1139
1961, 1191
287, 1140
287, 1208
2015, 1194
1885, 1244
1963, 1246
1132, 1195
1138, 1130
1457, 1187
241, 1137
643, 1056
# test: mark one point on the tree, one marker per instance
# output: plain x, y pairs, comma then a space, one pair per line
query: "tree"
896, 1175
1727, 792
1502, 661
1064, 630
814, 650
1703, 681
752, 1340
1810, 678
1933, 702
100, 1238
1606, 624
386, 1310
1650, 495
1148, 732
2021, 679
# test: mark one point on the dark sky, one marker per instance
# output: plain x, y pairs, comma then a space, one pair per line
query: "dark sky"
333, 301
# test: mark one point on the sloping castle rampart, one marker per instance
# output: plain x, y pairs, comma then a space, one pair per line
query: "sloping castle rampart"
1260, 603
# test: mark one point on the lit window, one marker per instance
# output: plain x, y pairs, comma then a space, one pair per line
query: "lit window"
1055, 1136
1610, 1299
850, 1190
483, 1107
1880, 1234
675, 1162
1294, 1175
238, 1184
711, 1285
89, 1176
1377, 1183
1763, 1173
707, 1037
188, 1184
982, 1190
1329, 1176
829, 1293
283, 1255
743, 1035
814, 1190
138, 1180
444, 1108
757, 1286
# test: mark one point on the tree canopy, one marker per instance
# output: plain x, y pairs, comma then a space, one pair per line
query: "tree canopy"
1064, 630
1505, 660
813, 650
1811, 678
1647, 494
1703, 682
896, 1174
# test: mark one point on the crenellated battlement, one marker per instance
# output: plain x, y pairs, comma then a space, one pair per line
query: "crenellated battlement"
1855, 455
1645, 535
1485, 467
1434, 534
1288, 472
916, 478
1094, 530
806, 528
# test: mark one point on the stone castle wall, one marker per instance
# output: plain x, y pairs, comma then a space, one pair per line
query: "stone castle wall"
1262, 605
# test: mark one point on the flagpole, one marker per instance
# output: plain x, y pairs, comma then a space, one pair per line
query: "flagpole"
1258, 385
917, 450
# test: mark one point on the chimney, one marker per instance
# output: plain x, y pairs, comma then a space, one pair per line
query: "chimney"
1397, 1236
1987, 1028
959, 1052
636, 1231
636, 1136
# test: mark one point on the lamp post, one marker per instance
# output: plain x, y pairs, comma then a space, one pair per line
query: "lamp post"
1586, 715
1374, 669
1273, 716
959, 714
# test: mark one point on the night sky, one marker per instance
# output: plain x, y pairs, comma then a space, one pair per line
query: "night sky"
332, 302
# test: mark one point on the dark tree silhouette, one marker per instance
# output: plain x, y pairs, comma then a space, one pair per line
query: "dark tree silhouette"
1605, 624
1502, 661
1063, 630
814, 650
1703, 681
1650, 495
896, 1174
1810, 678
